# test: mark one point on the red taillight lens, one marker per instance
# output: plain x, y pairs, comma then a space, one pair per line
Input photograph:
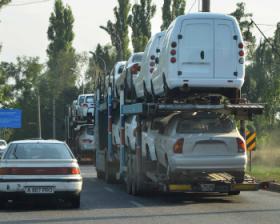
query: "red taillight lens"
75, 171
172, 60
153, 57
173, 52
152, 64
151, 70
241, 145
135, 69
178, 146
39, 171
241, 53
174, 44
241, 45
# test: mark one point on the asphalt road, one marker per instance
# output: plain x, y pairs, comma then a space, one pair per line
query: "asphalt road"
102, 203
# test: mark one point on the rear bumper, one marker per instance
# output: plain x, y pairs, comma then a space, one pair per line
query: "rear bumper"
178, 163
205, 83
16, 186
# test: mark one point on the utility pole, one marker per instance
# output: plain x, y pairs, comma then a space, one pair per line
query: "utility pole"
205, 5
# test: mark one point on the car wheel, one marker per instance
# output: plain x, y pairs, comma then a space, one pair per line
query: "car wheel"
75, 201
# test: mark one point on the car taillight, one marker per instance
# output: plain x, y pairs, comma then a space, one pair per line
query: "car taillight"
241, 145
241, 53
135, 69
75, 171
39, 171
173, 44
178, 146
173, 52
172, 60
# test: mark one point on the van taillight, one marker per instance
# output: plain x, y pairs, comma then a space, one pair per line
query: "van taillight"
241, 53
151, 70
152, 64
172, 60
153, 57
241, 145
173, 44
178, 146
173, 52
241, 45
135, 69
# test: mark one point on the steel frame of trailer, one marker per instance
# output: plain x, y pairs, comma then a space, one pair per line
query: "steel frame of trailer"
241, 112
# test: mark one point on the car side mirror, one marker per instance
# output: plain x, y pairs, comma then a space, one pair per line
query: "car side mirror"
157, 60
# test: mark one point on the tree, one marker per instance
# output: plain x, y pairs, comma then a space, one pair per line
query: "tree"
246, 26
62, 58
4, 2
140, 23
118, 31
169, 13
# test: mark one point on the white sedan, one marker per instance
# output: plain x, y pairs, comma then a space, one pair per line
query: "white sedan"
201, 142
40, 168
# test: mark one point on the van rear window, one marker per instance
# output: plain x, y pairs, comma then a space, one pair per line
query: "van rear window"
216, 125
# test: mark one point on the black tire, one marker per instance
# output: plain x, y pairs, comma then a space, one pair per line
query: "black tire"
100, 174
234, 193
76, 201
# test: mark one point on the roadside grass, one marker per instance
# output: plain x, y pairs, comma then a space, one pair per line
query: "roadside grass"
266, 164
265, 173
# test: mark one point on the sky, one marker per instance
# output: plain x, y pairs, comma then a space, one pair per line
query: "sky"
23, 29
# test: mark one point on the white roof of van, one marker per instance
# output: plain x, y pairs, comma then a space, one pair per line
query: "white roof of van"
206, 15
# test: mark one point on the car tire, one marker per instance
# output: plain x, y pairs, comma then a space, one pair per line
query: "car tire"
76, 201
232, 193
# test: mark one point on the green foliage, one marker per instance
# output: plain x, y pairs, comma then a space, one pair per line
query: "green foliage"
118, 31
170, 12
140, 23
4, 2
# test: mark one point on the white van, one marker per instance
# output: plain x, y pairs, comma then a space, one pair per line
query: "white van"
143, 80
202, 52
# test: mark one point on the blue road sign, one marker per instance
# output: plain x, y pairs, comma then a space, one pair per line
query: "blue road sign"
10, 118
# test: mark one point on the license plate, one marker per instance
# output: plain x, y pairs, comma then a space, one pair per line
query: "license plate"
39, 190
207, 187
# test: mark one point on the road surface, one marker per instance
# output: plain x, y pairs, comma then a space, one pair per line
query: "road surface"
103, 203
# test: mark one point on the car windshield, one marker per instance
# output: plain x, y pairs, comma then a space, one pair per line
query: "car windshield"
38, 151
202, 125
81, 99
120, 69
90, 130
89, 99
2, 143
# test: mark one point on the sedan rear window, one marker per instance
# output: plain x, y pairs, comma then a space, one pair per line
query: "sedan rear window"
89, 99
38, 151
90, 130
205, 126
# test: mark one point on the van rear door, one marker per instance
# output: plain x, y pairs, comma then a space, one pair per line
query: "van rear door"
225, 50
196, 49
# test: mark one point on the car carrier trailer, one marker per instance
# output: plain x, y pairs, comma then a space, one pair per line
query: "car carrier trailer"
118, 163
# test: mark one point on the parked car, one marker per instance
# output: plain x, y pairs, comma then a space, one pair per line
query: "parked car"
114, 75
201, 142
204, 53
40, 168
3, 146
129, 73
85, 140
148, 65
85, 106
